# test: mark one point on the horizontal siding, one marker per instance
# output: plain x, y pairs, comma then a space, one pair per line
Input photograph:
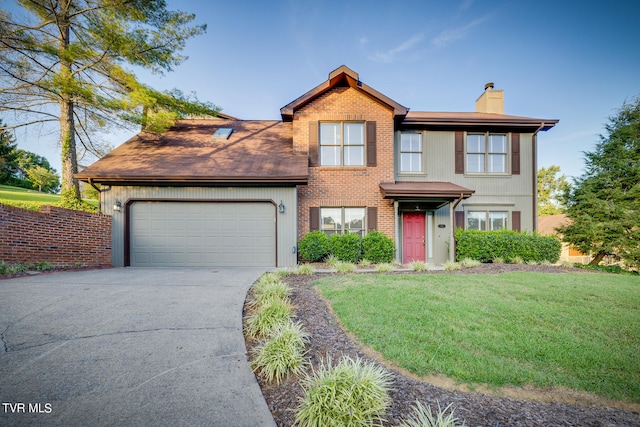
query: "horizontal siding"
286, 222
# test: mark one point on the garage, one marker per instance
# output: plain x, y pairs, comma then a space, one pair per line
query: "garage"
198, 234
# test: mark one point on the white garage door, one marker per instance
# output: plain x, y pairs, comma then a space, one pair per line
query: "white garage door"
202, 234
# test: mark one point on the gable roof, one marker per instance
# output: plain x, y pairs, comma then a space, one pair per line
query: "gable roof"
341, 76
458, 120
256, 151
547, 224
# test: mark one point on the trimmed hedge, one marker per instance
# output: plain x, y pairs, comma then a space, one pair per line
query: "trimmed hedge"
377, 248
346, 247
485, 246
314, 246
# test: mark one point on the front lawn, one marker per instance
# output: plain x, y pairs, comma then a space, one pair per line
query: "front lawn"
576, 330
31, 199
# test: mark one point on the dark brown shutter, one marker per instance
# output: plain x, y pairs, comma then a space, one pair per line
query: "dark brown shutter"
314, 219
372, 218
371, 144
313, 143
459, 152
515, 220
515, 153
459, 219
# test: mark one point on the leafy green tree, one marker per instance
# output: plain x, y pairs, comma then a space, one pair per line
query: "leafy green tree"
43, 178
8, 161
551, 189
64, 62
604, 203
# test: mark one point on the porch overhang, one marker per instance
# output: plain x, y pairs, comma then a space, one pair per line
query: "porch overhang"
432, 191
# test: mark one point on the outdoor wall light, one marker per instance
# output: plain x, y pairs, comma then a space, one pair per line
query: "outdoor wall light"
281, 207
117, 206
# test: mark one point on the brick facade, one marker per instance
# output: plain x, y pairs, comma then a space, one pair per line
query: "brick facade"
346, 186
61, 237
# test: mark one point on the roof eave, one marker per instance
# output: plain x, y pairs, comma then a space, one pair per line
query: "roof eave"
168, 180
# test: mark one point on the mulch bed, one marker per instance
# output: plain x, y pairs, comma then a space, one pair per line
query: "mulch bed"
476, 409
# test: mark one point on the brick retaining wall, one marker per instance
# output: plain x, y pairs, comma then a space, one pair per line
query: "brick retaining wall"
61, 237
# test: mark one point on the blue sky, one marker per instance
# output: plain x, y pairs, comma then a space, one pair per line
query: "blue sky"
575, 61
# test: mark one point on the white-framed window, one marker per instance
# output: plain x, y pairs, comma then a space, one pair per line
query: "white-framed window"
410, 152
486, 152
486, 220
342, 144
342, 220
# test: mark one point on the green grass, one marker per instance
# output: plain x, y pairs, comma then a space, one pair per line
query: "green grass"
580, 331
30, 199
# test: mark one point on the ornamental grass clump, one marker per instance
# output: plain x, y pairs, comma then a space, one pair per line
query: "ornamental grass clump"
267, 316
470, 263
304, 269
267, 289
451, 266
419, 266
385, 267
351, 393
345, 267
282, 353
423, 417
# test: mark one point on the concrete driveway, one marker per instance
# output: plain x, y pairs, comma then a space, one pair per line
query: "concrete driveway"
128, 346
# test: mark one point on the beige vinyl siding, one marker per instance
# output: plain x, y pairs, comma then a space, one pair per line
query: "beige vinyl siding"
515, 191
286, 223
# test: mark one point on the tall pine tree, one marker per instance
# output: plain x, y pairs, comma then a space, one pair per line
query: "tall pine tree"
64, 62
604, 203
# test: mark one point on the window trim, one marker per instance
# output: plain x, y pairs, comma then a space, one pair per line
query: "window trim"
421, 153
487, 220
486, 154
343, 229
342, 145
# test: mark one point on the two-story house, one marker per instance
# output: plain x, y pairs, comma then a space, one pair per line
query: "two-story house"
344, 158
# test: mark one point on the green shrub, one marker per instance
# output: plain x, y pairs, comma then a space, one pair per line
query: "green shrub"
615, 269
270, 314
377, 248
351, 393
423, 417
486, 246
314, 246
282, 353
346, 247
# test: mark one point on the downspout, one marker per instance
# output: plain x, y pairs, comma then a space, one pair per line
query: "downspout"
99, 194
452, 236
534, 149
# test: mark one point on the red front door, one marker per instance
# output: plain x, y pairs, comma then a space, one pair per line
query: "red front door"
413, 236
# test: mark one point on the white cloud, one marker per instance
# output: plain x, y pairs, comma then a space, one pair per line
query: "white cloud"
389, 55
449, 36
363, 40
466, 4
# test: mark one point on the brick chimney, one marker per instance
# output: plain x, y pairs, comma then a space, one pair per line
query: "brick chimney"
491, 101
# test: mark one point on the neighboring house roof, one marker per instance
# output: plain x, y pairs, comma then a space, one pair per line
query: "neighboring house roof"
341, 76
458, 120
257, 151
547, 224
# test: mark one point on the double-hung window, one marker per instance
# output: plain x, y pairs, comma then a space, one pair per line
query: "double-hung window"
486, 220
410, 152
342, 220
342, 144
486, 153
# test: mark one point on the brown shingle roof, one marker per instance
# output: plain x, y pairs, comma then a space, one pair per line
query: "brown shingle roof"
257, 151
341, 75
547, 224
431, 189
457, 120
